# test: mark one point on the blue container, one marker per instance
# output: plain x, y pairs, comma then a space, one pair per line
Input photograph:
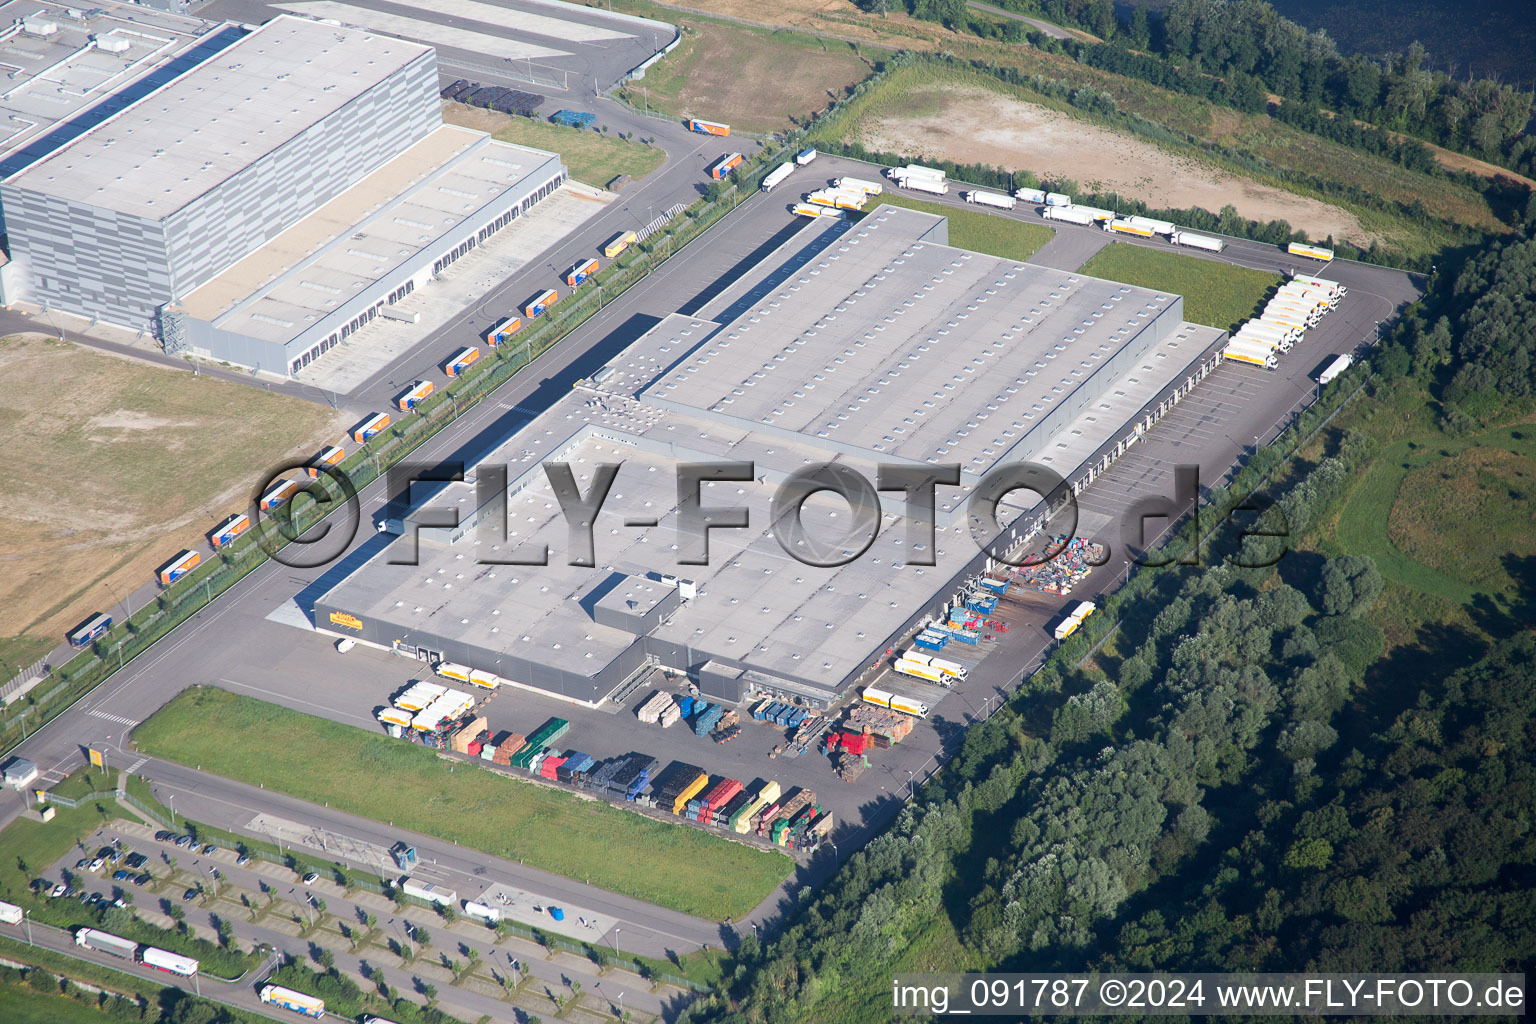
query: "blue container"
685, 706
557, 913
931, 643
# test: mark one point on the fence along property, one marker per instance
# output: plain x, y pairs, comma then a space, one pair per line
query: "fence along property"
380, 445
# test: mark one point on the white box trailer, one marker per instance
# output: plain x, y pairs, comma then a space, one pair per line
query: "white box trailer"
1253, 355
1157, 227
1057, 199
929, 185
1335, 368
776, 176
10, 913
948, 668
869, 188
1273, 344
911, 171
170, 963
919, 670
1195, 241
1029, 195
1002, 202
896, 702
1333, 287
1274, 330
429, 892
1069, 215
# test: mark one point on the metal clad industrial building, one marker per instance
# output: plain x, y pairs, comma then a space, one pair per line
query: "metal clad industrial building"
884, 346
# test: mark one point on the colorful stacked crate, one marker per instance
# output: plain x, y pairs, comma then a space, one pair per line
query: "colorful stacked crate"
705, 721
726, 814
549, 765
507, 747
688, 792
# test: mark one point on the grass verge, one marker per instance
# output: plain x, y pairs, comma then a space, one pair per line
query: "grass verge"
677, 867
1215, 294
979, 232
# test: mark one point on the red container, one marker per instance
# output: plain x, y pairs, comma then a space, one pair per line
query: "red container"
475, 746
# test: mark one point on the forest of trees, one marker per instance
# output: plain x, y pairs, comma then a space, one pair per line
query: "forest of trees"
1248, 782
1237, 52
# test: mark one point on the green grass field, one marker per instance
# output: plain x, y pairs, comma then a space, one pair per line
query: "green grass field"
593, 157
1215, 294
670, 865
20, 1004
979, 232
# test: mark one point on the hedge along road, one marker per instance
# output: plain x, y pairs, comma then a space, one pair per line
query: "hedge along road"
673, 866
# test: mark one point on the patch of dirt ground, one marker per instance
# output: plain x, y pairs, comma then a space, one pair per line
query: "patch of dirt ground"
972, 125
114, 465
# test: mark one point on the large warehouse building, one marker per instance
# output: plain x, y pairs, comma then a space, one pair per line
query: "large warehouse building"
263, 203
886, 346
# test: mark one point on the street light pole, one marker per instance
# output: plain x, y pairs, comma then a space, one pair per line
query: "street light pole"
26, 915
172, 801
615, 940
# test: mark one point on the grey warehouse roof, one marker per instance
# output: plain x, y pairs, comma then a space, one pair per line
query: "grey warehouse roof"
178, 142
62, 59
756, 605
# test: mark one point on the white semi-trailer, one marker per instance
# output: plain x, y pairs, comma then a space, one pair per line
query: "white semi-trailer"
869, 188
1332, 287
1335, 368
1002, 202
1069, 215
1030, 195
1195, 241
776, 177
1251, 353
102, 942
1157, 227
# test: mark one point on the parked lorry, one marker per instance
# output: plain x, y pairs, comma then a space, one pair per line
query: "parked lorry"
1057, 199
895, 702
919, 670
414, 395
1074, 619
502, 330
951, 669
1333, 287
278, 494
618, 243
810, 210
178, 567
869, 188
774, 178
461, 360
540, 302
1127, 226
1030, 195
708, 127
1335, 368
435, 894
104, 942
1250, 353
1070, 215
580, 271
229, 529
370, 427
1157, 227
331, 456
727, 164
938, 188
288, 999
170, 963
837, 199
1195, 241
1002, 202
1316, 252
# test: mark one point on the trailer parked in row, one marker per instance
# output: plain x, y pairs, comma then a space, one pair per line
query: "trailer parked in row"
580, 271
414, 395
1030, 195
502, 330
370, 427
1128, 227
1002, 202
229, 529
178, 567
1070, 215
1194, 241
895, 702
540, 303
277, 496
708, 127
618, 243
1250, 353
331, 456
170, 963
1316, 252
727, 164
103, 942
91, 630
869, 188
1332, 287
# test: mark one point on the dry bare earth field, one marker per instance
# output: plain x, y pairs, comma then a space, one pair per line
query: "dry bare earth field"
112, 466
970, 124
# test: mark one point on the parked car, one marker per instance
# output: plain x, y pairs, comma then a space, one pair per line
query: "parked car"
182, 842
59, 890
311, 878
120, 874
107, 852
141, 879
83, 864
96, 864
164, 836
210, 849
243, 859
190, 895
135, 860
94, 899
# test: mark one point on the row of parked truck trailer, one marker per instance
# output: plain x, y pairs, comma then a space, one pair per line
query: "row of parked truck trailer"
1296, 307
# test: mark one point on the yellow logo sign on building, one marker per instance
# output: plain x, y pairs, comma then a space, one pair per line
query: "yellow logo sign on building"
350, 621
